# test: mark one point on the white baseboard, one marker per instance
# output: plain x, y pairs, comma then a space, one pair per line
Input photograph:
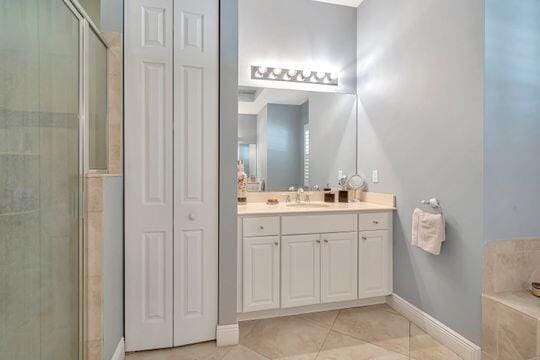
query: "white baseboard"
267, 314
227, 335
120, 352
466, 349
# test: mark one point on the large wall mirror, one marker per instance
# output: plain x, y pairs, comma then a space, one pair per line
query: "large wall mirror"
294, 138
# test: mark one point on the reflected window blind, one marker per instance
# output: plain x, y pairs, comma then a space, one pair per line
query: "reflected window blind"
306, 155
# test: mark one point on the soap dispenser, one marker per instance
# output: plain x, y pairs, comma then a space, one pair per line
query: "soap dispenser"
241, 189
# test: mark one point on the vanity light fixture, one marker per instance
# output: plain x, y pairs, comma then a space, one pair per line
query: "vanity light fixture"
292, 75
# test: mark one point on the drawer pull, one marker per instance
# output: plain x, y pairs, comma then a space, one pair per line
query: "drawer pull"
375, 222
318, 241
326, 240
261, 227
276, 243
364, 238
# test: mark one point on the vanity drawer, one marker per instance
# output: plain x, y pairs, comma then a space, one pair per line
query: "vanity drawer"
373, 221
316, 224
262, 226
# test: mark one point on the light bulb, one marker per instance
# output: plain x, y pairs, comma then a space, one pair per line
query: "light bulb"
306, 74
321, 75
292, 73
334, 76
277, 71
262, 70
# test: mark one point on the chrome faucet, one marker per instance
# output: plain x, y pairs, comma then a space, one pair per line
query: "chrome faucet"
298, 195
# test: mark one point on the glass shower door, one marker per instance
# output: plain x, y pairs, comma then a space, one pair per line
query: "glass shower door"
39, 180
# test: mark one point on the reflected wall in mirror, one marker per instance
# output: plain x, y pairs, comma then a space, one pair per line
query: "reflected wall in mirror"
292, 138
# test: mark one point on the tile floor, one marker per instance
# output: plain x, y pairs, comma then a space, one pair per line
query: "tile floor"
373, 332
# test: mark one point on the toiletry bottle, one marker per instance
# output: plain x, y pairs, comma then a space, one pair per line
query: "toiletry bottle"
241, 187
329, 196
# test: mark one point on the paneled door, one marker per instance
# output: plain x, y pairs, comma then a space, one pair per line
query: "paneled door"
261, 273
339, 267
196, 132
171, 172
300, 270
374, 264
149, 174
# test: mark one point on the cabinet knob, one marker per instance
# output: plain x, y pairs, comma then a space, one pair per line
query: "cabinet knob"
364, 238
318, 241
326, 240
375, 222
261, 227
192, 216
276, 243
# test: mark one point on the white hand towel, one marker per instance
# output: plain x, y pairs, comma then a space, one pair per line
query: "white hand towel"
428, 231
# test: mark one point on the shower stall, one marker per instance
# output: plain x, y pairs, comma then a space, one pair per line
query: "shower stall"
49, 57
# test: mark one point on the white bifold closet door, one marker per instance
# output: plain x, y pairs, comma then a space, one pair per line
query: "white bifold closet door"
171, 172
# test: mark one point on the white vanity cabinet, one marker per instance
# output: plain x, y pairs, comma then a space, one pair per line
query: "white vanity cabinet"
293, 261
300, 270
339, 267
261, 273
374, 264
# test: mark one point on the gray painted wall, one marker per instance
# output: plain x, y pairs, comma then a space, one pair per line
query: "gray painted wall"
332, 132
228, 151
284, 147
113, 265
112, 15
512, 120
247, 129
420, 88
301, 33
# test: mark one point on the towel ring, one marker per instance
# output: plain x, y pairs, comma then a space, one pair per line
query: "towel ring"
434, 203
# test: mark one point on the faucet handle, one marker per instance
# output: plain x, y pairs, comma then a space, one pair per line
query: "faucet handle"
307, 199
292, 188
288, 200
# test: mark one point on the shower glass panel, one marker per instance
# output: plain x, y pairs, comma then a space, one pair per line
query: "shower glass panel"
97, 103
39, 180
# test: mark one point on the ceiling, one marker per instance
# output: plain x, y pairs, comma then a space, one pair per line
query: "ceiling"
353, 3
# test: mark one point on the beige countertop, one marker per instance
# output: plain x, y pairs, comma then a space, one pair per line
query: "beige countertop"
261, 208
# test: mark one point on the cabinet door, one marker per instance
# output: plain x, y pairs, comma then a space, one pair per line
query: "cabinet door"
339, 267
374, 264
300, 270
261, 273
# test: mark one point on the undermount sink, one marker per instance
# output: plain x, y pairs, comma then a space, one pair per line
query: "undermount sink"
308, 205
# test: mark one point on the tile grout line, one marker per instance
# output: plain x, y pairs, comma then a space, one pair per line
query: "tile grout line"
327, 335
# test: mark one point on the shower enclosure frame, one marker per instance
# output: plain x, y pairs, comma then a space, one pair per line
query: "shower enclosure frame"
86, 25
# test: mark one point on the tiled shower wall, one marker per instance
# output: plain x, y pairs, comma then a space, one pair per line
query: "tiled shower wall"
97, 215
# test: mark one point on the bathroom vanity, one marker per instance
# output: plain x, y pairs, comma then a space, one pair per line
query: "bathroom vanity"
312, 256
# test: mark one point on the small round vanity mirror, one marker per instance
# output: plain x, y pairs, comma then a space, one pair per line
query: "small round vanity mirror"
356, 183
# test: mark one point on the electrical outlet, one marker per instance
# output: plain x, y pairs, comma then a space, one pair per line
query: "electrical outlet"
375, 176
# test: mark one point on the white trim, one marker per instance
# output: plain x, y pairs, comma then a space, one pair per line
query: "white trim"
227, 335
119, 353
266, 314
466, 349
